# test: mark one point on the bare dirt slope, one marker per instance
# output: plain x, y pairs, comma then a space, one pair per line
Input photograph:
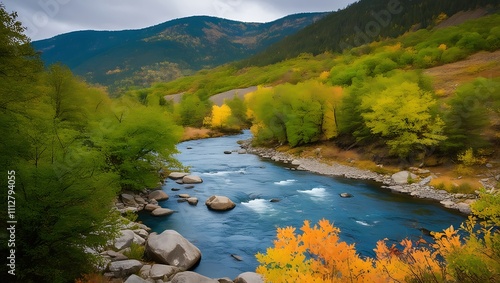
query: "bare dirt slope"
448, 77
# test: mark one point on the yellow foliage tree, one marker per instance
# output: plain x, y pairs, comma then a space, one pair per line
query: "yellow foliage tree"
220, 116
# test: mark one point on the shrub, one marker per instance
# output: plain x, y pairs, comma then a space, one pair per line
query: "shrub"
136, 251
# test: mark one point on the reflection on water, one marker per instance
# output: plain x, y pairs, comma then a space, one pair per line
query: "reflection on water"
251, 182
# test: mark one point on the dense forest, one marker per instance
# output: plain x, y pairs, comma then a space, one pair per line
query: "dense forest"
69, 148
363, 22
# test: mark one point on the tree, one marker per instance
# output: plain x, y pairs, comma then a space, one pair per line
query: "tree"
316, 255
402, 116
138, 142
297, 114
220, 117
191, 111
468, 115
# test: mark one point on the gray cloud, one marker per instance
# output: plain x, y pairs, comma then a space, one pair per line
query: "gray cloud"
47, 18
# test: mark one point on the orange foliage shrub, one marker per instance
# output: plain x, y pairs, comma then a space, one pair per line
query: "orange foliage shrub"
317, 255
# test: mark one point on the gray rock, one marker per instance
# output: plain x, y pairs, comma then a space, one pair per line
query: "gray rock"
158, 195
125, 239
116, 256
151, 207
237, 257
425, 181
140, 200
162, 212
192, 201
242, 151
159, 271
220, 203
191, 277
120, 205
139, 240
135, 279
249, 277
144, 272
296, 162
464, 208
125, 267
448, 203
402, 177
191, 179
128, 200
177, 175
346, 195
184, 196
142, 233
171, 248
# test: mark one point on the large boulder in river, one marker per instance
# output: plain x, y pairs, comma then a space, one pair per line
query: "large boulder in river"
172, 248
191, 277
402, 177
220, 203
158, 195
249, 277
191, 179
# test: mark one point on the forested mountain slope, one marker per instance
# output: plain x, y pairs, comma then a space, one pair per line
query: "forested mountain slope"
165, 51
366, 21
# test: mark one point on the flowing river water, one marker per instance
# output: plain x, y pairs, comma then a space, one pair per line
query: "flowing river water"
251, 182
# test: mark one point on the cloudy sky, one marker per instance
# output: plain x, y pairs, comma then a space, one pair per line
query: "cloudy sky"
47, 18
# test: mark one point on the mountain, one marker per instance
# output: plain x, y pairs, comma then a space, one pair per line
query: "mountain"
363, 22
165, 51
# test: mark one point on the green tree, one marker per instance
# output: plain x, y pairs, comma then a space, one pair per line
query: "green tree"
192, 110
138, 143
468, 115
402, 116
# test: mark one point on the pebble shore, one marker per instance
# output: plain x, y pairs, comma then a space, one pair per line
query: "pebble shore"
420, 188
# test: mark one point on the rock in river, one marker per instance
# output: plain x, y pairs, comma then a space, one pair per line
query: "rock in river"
177, 175
172, 248
191, 179
220, 203
346, 195
162, 212
158, 195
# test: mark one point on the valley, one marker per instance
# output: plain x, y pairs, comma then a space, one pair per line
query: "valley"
359, 145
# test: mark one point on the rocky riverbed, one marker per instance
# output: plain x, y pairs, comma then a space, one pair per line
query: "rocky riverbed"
414, 182
168, 256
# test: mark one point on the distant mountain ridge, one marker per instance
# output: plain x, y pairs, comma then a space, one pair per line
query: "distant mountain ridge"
165, 51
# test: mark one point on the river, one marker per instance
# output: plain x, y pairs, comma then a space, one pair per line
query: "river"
251, 182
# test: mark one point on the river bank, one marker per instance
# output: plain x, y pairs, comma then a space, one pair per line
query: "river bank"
415, 182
